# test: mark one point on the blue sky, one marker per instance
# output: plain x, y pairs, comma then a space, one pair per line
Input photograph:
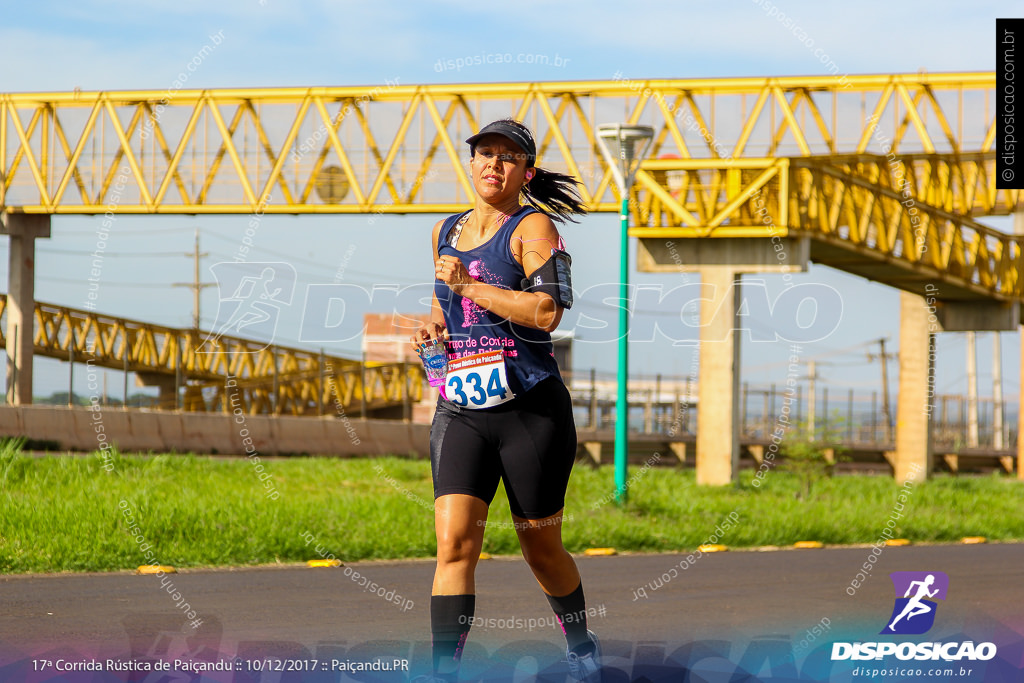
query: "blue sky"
117, 45
122, 44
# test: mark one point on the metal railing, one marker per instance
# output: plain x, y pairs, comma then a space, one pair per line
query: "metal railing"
667, 406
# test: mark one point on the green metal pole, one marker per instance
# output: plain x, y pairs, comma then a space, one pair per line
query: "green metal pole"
622, 401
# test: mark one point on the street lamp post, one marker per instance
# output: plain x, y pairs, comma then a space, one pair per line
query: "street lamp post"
623, 147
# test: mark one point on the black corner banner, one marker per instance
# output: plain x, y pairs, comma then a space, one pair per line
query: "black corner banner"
1009, 143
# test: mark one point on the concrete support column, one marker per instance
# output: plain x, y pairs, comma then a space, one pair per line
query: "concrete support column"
23, 229
718, 423
721, 263
1020, 414
166, 384
913, 412
1018, 229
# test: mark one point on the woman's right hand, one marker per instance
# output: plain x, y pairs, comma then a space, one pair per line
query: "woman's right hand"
427, 333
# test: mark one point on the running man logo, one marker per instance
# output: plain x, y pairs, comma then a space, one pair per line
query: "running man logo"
250, 301
914, 613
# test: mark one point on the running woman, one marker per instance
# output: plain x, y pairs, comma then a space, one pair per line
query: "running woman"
501, 286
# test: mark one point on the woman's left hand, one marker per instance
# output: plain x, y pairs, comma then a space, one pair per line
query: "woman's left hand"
449, 270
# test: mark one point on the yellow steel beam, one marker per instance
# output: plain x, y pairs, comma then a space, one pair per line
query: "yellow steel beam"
711, 154
693, 119
900, 212
962, 184
732, 212
933, 243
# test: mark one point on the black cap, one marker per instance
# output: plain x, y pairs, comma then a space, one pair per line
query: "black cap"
511, 131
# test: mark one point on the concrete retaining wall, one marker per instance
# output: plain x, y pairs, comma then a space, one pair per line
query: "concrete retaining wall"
83, 429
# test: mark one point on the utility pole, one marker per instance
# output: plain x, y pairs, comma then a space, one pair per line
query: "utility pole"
972, 391
812, 374
196, 286
812, 377
886, 409
885, 391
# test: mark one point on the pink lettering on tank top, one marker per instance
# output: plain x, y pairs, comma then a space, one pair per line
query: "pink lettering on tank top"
478, 271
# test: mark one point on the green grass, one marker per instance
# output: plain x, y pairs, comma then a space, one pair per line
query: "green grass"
64, 513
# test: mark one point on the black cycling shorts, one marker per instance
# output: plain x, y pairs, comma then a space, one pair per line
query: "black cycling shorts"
528, 442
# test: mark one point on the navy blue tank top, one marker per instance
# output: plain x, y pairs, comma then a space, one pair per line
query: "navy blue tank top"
529, 356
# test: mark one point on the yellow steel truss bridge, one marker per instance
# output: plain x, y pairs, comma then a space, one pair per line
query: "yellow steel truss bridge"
269, 378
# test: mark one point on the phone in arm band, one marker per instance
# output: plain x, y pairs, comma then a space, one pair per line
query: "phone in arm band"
563, 266
553, 278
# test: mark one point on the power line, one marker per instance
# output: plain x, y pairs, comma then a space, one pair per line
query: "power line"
289, 258
131, 254
119, 231
102, 282
827, 354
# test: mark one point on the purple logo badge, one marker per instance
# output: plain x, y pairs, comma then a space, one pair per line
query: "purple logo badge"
916, 593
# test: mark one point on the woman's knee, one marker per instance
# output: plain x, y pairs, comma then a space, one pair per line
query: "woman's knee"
543, 557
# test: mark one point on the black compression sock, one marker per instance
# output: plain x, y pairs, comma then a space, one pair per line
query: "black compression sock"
450, 619
571, 612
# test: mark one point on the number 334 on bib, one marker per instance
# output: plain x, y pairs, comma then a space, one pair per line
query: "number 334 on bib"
478, 381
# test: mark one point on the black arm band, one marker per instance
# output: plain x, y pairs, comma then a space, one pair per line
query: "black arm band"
553, 278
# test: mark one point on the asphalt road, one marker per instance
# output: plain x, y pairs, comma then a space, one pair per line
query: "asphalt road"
753, 612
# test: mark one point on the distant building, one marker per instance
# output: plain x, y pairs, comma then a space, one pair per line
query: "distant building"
387, 338
562, 343
387, 335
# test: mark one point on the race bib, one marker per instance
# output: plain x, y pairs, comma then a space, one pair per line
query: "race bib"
478, 381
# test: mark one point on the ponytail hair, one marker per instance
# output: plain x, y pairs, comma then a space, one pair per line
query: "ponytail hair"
555, 194
552, 193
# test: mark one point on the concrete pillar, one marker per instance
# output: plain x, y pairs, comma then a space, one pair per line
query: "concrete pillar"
678, 449
721, 263
593, 451
1020, 413
21, 301
1018, 229
166, 384
913, 412
718, 424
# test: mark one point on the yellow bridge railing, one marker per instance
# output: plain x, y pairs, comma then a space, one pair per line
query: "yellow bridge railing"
399, 149
835, 159
907, 216
271, 378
